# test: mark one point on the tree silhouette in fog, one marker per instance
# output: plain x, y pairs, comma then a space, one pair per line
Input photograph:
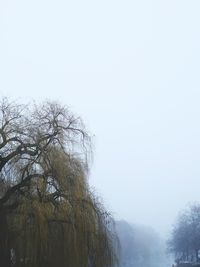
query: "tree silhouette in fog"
48, 215
185, 238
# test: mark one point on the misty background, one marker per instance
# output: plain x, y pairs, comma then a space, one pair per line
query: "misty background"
130, 69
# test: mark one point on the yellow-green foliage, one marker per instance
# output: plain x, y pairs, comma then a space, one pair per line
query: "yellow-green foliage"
59, 222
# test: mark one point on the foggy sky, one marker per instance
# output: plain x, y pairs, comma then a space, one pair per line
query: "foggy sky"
131, 69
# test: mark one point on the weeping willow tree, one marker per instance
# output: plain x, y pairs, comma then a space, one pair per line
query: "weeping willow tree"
48, 215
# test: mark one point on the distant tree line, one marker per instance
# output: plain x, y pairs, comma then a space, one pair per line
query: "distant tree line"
48, 215
185, 237
140, 246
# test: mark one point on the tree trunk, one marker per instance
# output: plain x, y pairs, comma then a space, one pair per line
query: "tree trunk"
4, 241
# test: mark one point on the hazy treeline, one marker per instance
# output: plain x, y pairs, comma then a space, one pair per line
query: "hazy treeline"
185, 237
48, 214
140, 246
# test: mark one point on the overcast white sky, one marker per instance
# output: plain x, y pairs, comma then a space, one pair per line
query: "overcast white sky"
131, 69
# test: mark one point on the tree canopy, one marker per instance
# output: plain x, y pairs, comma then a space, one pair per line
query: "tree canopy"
185, 238
48, 214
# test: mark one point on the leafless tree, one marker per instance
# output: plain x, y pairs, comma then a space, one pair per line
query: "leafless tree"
185, 238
